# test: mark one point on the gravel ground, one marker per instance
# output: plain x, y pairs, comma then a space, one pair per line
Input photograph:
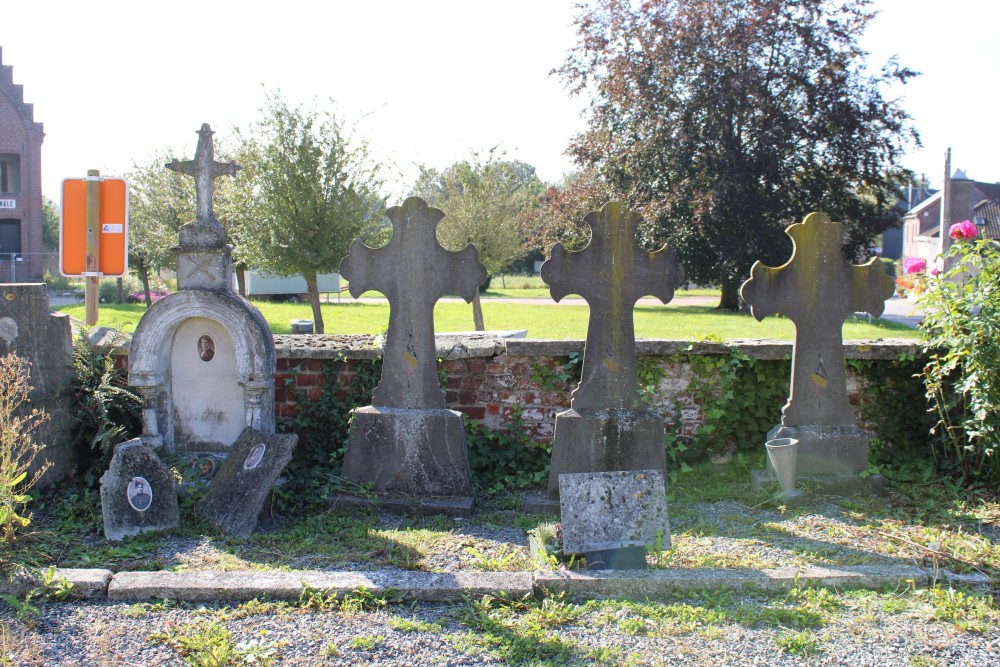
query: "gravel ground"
97, 634
906, 628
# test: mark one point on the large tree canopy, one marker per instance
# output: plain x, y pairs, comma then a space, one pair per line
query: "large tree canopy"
723, 122
312, 190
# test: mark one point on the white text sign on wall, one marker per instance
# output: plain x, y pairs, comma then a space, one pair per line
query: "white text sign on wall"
8, 203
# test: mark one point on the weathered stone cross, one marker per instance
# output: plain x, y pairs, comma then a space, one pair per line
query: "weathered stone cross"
413, 271
205, 170
611, 273
817, 289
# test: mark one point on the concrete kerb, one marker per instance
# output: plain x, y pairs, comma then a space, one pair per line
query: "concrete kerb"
448, 587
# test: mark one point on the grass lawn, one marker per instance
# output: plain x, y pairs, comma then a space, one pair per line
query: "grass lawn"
542, 321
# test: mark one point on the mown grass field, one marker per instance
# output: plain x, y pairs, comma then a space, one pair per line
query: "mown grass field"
546, 320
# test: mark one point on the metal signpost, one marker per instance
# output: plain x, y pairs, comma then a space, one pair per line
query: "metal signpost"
93, 234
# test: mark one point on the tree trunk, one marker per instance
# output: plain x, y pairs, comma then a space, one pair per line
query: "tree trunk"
313, 287
121, 290
477, 313
241, 281
730, 295
144, 277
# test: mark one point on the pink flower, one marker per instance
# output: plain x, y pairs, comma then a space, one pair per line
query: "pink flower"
963, 230
914, 264
934, 271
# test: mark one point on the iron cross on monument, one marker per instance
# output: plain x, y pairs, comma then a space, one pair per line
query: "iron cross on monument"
611, 273
413, 271
204, 169
817, 289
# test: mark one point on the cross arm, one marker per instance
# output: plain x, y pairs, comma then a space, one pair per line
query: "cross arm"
559, 274
759, 289
464, 265
361, 270
661, 275
225, 168
871, 287
185, 167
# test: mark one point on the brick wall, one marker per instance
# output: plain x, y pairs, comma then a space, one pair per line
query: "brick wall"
488, 379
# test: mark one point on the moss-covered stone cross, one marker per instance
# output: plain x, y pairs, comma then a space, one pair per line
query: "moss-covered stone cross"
413, 271
817, 289
611, 273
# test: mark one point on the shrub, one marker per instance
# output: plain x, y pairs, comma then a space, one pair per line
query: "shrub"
105, 409
962, 376
18, 449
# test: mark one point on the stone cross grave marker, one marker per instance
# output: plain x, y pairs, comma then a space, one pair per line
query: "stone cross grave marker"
204, 169
413, 271
611, 273
203, 258
608, 428
407, 441
817, 289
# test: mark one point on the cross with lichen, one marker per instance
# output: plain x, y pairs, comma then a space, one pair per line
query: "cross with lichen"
817, 289
413, 271
205, 170
611, 273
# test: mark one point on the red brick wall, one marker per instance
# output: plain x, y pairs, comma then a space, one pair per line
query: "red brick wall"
490, 388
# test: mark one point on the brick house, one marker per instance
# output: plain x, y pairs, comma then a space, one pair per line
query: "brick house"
20, 183
970, 200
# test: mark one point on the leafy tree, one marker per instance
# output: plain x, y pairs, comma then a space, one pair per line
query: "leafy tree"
483, 202
559, 217
312, 190
50, 225
723, 122
160, 202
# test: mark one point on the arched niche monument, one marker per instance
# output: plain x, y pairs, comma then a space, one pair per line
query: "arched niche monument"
203, 358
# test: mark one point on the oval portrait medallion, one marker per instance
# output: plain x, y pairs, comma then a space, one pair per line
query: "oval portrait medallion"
254, 457
140, 494
206, 348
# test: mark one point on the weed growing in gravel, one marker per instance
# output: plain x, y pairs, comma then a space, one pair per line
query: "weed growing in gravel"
201, 643
331, 651
366, 642
506, 559
800, 643
968, 611
413, 625
363, 599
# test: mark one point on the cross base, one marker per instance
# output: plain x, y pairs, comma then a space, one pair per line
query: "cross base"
204, 268
408, 451
604, 440
826, 450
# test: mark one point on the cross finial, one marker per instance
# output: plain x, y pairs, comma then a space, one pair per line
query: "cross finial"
204, 169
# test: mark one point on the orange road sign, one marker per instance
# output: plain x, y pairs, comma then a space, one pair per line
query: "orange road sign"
113, 236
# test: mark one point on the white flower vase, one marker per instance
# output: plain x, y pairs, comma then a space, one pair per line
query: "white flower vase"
782, 454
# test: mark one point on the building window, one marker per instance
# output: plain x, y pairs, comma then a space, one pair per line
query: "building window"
10, 173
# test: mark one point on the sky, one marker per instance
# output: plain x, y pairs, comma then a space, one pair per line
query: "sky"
425, 82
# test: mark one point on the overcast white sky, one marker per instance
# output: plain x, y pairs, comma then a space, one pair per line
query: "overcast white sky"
113, 81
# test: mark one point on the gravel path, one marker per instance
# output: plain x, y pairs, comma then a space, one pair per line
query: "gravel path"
96, 634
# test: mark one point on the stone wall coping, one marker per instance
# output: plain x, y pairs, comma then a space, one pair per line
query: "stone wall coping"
468, 346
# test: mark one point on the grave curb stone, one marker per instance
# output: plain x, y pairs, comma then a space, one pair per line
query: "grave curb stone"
239, 586
655, 584
88, 584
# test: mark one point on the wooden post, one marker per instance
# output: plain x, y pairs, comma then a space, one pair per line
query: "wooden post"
92, 269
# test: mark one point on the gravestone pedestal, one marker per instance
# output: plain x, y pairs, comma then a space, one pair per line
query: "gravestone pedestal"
408, 451
588, 440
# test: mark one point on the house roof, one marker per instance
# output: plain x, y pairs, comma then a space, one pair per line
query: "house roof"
988, 209
15, 93
988, 212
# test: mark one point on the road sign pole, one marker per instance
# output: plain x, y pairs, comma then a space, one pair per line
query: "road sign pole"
92, 272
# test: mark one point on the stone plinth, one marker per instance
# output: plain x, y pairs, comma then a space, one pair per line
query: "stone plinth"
826, 451
405, 451
605, 440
